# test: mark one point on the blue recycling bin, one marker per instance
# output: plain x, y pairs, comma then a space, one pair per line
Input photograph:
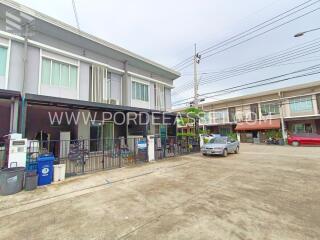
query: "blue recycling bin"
45, 169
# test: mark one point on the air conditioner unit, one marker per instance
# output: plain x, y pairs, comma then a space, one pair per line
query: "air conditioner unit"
112, 101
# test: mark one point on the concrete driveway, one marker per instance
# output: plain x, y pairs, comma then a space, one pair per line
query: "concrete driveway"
265, 192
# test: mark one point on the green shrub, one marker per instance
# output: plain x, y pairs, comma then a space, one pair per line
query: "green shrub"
233, 136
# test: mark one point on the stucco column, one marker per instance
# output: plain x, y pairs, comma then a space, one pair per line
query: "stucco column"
126, 86
14, 115
315, 104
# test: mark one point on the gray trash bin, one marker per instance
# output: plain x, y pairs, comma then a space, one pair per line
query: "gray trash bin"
11, 180
30, 181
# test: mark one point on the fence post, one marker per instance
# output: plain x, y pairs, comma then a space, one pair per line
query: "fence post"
147, 154
119, 152
83, 157
134, 150
103, 145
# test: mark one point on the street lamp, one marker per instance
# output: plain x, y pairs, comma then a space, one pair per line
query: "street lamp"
300, 34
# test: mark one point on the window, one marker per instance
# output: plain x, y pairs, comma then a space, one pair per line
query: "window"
3, 61
254, 111
59, 74
270, 109
232, 114
220, 116
302, 128
140, 91
205, 118
301, 104
107, 86
159, 96
224, 131
98, 84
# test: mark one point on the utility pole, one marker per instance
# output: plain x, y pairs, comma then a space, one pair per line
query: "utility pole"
195, 73
196, 61
284, 134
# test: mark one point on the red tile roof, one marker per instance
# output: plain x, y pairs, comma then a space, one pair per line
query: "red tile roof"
258, 125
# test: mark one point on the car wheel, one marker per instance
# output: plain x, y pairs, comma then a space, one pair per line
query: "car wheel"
237, 150
225, 153
204, 154
295, 144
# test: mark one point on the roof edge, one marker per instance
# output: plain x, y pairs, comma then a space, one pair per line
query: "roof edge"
263, 93
70, 28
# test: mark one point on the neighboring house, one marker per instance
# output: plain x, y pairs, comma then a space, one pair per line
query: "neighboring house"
55, 67
252, 116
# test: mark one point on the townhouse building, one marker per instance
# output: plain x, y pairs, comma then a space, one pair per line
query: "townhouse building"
47, 66
287, 110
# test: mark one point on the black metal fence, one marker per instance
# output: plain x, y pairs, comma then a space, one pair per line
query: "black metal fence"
90, 155
175, 146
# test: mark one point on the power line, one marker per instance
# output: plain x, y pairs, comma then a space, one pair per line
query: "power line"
191, 57
260, 26
262, 65
237, 37
309, 48
255, 82
259, 85
259, 81
264, 84
255, 36
259, 10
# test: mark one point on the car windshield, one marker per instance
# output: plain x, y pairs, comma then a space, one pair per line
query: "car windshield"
218, 140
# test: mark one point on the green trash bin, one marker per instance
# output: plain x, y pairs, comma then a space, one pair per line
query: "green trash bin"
11, 180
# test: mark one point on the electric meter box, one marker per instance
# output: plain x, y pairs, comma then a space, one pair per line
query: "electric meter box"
17, 154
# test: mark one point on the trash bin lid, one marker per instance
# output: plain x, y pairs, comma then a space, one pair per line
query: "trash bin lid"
46, 157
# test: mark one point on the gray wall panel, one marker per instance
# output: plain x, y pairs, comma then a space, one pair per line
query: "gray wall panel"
31, 85
84, 81
16, 67
116, 86
167, 95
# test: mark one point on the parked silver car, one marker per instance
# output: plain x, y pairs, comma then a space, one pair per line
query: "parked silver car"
221, 146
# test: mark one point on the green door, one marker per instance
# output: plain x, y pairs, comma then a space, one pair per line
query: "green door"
108, 130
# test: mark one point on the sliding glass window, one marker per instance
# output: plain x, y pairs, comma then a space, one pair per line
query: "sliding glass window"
140, 91
59, 74
301, 104
3, 61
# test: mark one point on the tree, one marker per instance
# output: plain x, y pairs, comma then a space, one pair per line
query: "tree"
190, 118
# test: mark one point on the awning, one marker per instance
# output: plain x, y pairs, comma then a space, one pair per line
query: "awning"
259, 125
7, 94
80, 104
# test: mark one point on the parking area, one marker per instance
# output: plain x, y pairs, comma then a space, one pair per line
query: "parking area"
265, 192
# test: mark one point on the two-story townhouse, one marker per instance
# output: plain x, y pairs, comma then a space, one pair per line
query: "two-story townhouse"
293, 109
62, 73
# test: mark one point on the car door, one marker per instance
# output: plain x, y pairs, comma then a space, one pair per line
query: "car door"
314, 140
230, 145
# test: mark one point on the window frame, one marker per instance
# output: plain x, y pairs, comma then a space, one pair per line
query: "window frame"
140, 91
296, 103
270, 105
6, 43
60, 64
159, 93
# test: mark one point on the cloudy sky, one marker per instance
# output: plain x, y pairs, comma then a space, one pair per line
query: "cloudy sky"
165, 31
